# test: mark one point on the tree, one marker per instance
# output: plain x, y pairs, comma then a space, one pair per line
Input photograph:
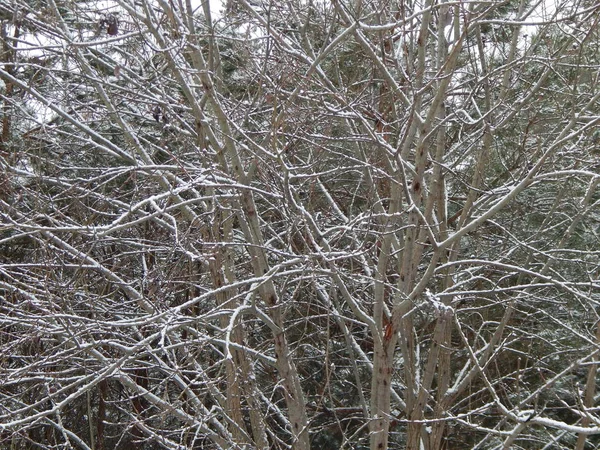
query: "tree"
341, 225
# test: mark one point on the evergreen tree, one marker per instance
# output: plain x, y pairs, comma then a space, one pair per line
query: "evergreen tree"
300, 225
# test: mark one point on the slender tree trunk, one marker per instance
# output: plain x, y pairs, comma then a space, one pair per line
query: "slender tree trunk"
101, 418
8, 57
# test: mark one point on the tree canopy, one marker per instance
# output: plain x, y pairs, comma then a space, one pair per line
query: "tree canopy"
299, 224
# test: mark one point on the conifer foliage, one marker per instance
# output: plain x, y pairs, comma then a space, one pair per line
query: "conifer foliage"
293, 225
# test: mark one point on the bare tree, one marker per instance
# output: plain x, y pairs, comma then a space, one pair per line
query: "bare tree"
340, 225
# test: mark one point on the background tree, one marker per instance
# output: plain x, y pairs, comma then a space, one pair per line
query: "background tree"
339, 225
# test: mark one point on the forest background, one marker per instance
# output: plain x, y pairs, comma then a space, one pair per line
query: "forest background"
301, 224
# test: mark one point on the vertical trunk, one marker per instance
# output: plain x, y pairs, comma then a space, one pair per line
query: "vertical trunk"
237, 367
249, 391
590, 391
381, 390
384, 336
139, 406
443, 375
415, 430
7, 58
102, 391
237, 427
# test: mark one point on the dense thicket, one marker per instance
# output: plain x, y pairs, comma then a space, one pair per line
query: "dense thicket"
299, 224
